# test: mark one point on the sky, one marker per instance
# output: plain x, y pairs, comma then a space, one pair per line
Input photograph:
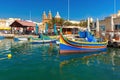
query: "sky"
78, 9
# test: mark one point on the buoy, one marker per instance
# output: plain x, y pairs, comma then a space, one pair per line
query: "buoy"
9, 56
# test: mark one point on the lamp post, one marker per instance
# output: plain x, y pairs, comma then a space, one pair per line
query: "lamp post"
97, 28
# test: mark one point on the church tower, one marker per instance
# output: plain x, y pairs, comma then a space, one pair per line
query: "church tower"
49, 15
46, 19
44, 16
57, 16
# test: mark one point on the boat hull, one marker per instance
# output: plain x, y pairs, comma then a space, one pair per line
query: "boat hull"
42, 41
67, 49
20, 39
23, 39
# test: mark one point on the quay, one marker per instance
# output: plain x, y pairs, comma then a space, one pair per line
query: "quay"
17, 36
7, 35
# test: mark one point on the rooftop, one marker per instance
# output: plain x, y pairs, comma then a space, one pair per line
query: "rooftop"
23, 23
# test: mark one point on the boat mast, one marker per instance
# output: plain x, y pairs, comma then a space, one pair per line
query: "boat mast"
112, 20
30, 15
68, 9
114, 6
88, 24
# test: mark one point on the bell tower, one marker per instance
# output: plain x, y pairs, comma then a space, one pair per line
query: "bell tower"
57, 15
44, 16
50, 15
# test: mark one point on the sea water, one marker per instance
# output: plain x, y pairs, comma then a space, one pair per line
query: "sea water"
43, 62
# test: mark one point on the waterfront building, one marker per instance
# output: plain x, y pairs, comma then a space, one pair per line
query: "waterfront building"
22, 27
57, 16
74, 22
2, 24
9, 21
5, 24
110, 26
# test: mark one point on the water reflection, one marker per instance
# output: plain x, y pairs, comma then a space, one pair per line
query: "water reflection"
100, 63
5, 46
111, 56
29, 49
85, 58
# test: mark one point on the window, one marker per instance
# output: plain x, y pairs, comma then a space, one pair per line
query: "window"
117, 27
102, 28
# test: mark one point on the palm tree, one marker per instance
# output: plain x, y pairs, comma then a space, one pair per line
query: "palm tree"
61, 22
83, 24
67, 23
58, 22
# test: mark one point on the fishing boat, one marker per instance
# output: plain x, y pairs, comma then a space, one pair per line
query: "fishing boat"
68, 46
42, 39
20, 39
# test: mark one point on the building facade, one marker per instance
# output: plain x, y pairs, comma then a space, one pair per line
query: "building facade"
46, 19
5, 24
110, 26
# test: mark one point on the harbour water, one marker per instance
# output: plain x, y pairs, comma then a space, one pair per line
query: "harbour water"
43, 62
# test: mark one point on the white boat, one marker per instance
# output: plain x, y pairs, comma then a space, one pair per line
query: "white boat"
20, 39
58, 42
43, 41
23, 39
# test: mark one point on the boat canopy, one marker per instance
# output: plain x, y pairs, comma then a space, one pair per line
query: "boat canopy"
87, 35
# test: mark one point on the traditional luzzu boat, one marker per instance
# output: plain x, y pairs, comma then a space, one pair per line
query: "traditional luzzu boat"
68, 46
